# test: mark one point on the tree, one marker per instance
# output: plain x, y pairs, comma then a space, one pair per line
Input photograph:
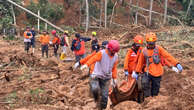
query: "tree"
87, 16
7, 14
105, 14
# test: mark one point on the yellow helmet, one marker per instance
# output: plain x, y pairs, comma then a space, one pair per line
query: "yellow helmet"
66, 31
94, 33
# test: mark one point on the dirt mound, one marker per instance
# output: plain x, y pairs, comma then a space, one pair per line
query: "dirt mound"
128, 105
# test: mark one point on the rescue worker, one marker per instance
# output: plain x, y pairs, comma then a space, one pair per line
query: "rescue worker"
64, 45
78, 46
104, 44
33, 39
55, 42
27, 39
132, 55
94, 41
151, 54
105, 69
44, 39
84, 60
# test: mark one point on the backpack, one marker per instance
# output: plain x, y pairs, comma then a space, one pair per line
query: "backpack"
62, 41
155, 56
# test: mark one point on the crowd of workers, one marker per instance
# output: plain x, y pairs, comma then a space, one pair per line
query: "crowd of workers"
102, 62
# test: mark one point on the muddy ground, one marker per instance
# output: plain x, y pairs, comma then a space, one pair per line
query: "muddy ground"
35, 83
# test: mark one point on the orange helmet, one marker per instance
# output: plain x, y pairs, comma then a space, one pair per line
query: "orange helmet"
138, 39
151, 37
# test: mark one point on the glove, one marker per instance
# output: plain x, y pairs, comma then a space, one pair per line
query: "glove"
76, 65
92, 76
179, 67
84, 67
175, 69
50, 42
134, 75
126, 73
114, 83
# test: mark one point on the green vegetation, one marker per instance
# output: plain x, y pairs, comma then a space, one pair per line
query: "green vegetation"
49, 11
6, 17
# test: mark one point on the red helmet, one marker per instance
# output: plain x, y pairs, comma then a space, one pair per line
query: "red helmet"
53, 32
114, 46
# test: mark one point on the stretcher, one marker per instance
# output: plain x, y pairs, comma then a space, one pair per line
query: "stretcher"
128, 90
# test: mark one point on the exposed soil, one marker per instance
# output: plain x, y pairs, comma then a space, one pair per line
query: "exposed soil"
37, 83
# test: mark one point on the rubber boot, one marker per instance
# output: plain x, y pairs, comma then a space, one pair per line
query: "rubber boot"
33, 50
63, 56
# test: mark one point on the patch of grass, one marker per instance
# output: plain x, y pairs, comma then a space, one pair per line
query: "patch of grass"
38, 96
12, 98
24, 76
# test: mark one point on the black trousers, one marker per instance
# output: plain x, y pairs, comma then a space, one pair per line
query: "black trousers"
151, 85
100, 87
27, 46
45, 50
56, 47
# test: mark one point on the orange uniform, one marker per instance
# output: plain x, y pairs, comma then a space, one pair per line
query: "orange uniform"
26, 36
56, 40
97, 57
155, 70
166, 63
44, 39
83, 61
131, 60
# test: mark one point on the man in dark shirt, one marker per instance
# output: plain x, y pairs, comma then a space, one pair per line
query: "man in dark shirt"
94, 42
33, 39
78, 46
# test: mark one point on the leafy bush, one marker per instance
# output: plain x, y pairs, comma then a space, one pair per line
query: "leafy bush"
49, 11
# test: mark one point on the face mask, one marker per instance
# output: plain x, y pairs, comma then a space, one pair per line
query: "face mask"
151, 45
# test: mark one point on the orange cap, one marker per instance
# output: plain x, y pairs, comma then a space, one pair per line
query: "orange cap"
151, 37
138, 39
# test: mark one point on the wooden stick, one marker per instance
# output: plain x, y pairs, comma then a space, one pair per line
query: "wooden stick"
5, 70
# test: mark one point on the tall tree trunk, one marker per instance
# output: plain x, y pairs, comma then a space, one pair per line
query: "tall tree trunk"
87, 16
113, 12
38, 21
101, 10
13, 13
105, 14
188, 9
136, 14
123, 2
165, 10
150, 13
130, 2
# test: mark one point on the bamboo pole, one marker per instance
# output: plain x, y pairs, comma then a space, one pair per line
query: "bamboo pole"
15, 4
28, 11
